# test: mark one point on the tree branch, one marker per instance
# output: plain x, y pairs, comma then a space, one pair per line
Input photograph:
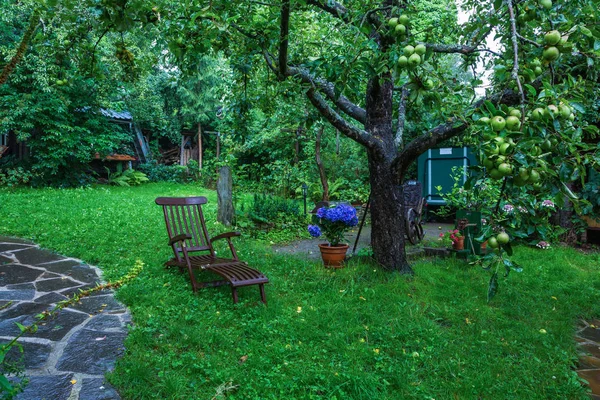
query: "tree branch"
401, 117
515, 43
445, 131
8, 68
524, 39
283, 38
332, 7
328, 89
358, 135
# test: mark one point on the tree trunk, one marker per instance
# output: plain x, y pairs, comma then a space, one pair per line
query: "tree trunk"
225, 197
199, 146
322, 174
387, 216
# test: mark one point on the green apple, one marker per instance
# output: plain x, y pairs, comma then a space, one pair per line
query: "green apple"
534, 176
551, 53
515, 113
505, 169
403, 20
502, 238
484, 120
505, 148
400, 29
565, 111
495, 174
546, 145
408, 50
493, 242
523, 173
498, 123
414, 60
513, 123
518, 181
537, 114
489, 164
402, 61
552, 38
538, 71
547, 4
553, 109
392, 22
428, 84
420, 49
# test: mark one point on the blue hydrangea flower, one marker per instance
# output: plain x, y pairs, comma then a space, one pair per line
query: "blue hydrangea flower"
314, 230
321, 212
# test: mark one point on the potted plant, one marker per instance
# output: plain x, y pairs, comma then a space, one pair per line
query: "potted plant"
458, 240
333, 223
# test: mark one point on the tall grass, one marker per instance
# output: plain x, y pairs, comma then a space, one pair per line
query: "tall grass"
356, 333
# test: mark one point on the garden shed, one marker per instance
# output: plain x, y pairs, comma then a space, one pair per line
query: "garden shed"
434, 168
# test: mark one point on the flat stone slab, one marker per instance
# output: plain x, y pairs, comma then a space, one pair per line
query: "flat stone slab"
97, 304
50, 298
8, 239
53, 388
34, 355
56, 328
12, 246
17, 294
35, 256
61, 267
11, 274
55, 284
5, 260
97, 389
104, 322
92, 352
84, 273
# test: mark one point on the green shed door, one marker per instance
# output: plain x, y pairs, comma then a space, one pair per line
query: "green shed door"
435, 169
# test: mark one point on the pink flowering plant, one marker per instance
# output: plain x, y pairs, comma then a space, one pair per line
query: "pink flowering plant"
454, 235
334, 222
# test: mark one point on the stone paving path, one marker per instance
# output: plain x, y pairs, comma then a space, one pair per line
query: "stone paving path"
68, 356
588, 337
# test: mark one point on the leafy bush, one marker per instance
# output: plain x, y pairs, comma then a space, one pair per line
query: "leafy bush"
15, 176
129, 177
164, 173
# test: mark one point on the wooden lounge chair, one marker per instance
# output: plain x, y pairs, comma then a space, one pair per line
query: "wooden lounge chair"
187, 234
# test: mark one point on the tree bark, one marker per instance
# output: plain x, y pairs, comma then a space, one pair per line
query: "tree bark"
387, 216
322, 174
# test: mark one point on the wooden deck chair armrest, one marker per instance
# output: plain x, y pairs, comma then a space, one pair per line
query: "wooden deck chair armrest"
228, 236
179, 238
225, 235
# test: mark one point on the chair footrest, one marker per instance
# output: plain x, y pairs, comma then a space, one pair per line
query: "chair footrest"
238, 273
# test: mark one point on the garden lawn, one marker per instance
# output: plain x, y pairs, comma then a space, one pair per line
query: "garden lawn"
356, 333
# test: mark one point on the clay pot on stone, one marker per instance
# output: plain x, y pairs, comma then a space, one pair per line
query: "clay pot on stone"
459, 243
333, 256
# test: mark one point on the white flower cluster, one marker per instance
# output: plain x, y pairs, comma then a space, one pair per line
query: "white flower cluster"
548, 203
543, 245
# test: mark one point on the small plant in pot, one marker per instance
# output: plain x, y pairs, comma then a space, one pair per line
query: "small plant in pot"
333, 223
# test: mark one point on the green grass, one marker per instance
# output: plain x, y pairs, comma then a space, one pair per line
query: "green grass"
356, 333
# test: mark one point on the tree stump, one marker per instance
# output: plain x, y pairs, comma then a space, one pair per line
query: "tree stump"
225, 197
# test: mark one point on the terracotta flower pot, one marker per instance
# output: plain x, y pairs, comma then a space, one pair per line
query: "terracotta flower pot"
459, 244
333, 256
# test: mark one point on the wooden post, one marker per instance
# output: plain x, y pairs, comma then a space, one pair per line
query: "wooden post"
322, 174
181, 152
218, 145
199, 146
225, 197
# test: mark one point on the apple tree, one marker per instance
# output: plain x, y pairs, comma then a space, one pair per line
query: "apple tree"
373, 64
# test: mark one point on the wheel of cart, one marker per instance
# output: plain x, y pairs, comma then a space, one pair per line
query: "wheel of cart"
413, 206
